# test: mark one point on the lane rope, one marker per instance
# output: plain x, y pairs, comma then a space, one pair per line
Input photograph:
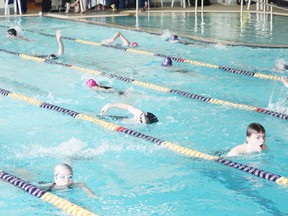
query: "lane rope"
153, 86
44, 195
168, 145
178, 59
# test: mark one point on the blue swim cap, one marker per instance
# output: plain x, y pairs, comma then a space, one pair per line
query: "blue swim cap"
167, 62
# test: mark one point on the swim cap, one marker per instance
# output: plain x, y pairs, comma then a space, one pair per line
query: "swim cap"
58, 168
51, 56
167, 62
91, 83
12, 32
174, 37
150, 118
133, 44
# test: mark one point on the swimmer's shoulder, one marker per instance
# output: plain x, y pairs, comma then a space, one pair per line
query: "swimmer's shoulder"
47, 186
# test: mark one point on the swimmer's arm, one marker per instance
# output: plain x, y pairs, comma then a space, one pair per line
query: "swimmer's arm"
123, 39
106, 88
284, 80
87, 190
135, 111
21, 38
60, 43
45, 186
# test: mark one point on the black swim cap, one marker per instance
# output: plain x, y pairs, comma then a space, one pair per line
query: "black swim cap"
174, 37
51, 56
150, 118
12, 31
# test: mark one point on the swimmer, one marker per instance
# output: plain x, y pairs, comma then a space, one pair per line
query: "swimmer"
280, 65
139, 115
12, 33
125, 42
255, 141
60, 48
284, 80
98, 87
167, 62
168, 36
63, 179
173, 38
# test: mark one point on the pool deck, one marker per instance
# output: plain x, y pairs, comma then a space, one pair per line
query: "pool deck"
33, 10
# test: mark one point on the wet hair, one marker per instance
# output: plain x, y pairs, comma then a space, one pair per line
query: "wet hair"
59, 167
174, 37
12, 32
254, 128
150, 118
52, 56
167, 62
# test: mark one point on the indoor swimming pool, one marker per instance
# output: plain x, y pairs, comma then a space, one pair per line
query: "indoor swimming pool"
138, 169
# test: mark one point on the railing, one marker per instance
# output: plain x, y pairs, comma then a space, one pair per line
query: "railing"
263, 6
16, 3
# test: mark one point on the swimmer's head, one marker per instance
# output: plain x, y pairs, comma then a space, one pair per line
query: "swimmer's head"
174, 37
91, 83
280, 65
63, 175
11, 32
167, 62
148, 118
52, 56
134, 44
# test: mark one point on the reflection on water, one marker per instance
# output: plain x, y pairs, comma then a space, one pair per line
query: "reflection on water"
251, 29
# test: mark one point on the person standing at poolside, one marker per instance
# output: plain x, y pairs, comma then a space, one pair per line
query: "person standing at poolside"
124, 40
255, 141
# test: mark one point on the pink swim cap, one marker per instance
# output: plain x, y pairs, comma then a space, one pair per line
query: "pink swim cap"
133, 44
91, 83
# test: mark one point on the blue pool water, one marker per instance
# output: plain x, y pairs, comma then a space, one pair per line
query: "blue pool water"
256, 28
130, 175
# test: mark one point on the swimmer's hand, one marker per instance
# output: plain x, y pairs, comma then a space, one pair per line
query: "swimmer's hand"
105, 109
87, 190
107, 41
58, 35
93, 196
